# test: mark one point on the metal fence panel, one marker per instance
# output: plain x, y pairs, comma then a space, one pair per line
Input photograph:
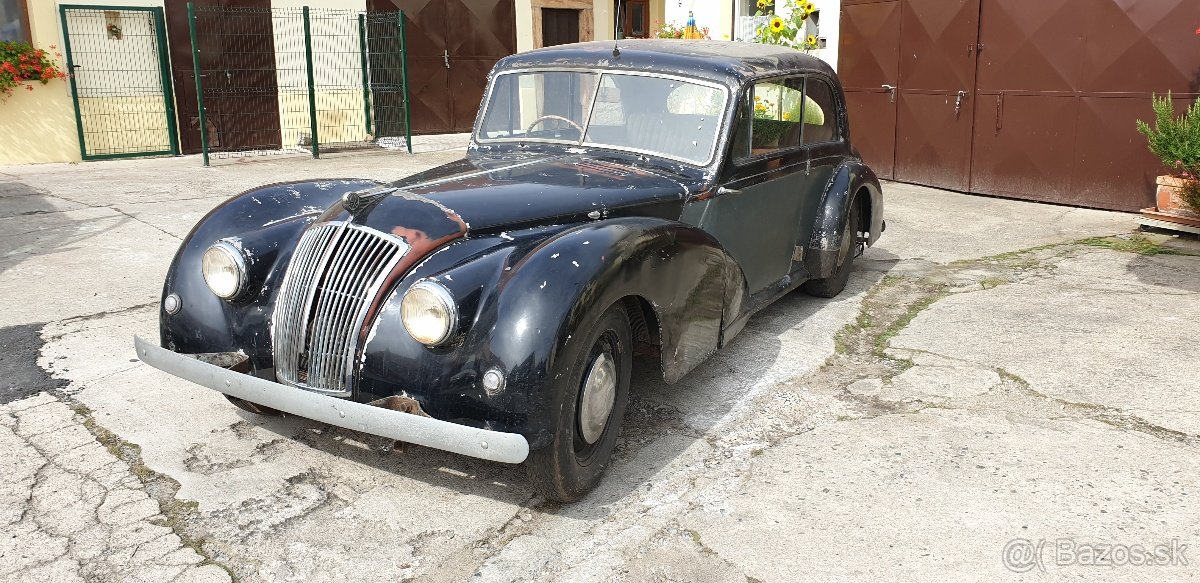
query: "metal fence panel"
299, 80
119, 81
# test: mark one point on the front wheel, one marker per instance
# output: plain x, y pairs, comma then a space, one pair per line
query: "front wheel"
589, 419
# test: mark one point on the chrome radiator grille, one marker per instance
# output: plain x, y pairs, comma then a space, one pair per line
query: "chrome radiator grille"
336, 270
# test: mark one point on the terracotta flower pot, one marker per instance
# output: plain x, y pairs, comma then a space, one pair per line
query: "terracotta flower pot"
1169, 199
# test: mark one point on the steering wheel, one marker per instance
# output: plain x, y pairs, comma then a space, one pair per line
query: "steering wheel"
557, 117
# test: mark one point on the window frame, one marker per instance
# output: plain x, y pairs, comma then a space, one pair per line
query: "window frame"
714, 154
838, 107
23, 11
745, 101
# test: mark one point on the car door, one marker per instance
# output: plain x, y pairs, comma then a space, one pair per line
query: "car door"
824, 146
766, 186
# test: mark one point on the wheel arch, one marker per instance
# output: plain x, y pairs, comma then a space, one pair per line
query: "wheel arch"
852, 183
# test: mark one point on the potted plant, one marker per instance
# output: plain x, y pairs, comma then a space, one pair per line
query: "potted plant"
21, 65
1176, 141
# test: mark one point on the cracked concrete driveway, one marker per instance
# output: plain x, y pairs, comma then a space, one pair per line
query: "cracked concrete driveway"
1002, 381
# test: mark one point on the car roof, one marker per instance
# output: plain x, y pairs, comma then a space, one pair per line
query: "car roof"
723, 61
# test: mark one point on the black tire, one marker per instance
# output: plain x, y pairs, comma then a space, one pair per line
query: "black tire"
254, 407
570, 467
836, 282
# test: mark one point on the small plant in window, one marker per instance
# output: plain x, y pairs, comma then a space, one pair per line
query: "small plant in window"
765, 7
786, 31
21, 65
763, 108
114, 31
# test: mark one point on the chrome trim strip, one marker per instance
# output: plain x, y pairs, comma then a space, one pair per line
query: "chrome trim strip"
509, 448
347, 264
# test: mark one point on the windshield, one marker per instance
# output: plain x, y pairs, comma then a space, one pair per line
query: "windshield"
658, 115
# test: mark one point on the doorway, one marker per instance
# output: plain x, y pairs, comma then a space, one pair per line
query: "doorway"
452, 46
119, 83
560, 26
635, 18
1032, 99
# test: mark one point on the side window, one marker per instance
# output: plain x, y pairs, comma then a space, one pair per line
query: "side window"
819, 113
770, 120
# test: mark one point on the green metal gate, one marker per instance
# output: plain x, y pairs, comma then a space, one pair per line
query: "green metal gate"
285, 80
120, 82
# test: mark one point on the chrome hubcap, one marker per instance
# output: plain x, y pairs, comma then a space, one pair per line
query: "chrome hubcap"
596, 402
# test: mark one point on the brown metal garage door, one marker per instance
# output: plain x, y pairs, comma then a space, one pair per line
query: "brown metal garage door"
452, 45
1052, 91
238, 65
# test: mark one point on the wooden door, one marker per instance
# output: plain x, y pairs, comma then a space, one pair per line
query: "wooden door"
452, 45
480, 32
560, 26
238, 74
935, 100
637, 18
870, 66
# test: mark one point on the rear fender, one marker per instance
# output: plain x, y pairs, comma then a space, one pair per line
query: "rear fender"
851, 178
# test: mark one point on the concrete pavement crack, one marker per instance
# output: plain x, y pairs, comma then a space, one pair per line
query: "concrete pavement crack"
148, 224
177, 514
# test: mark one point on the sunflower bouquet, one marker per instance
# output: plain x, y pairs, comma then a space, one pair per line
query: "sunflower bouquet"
785, 31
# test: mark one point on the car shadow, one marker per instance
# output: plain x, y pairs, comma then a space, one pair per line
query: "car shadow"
662, 420
1156, 270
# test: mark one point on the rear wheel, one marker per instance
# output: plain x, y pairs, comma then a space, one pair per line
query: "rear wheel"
836, 282
589, 420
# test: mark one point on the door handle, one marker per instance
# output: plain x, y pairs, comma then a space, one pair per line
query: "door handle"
723, 190
446, 58
891, 88
958, 102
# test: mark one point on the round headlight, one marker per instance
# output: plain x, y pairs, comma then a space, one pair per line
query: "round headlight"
428, 312
224, 270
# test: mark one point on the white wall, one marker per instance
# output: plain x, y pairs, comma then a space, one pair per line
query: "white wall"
708, 13
830, 22
831, 13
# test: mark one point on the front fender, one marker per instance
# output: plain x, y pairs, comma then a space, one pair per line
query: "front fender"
850, 179
264, 223
525, 300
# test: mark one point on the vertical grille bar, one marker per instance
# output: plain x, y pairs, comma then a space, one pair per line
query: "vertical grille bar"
333, 276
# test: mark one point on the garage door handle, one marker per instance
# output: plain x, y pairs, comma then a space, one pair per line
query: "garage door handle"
446, 57
891, 88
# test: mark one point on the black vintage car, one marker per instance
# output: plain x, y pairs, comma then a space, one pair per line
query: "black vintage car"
633, 200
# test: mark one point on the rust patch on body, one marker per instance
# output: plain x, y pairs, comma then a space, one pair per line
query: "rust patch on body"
420, 246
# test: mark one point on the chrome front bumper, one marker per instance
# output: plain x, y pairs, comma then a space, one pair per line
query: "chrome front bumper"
509, 448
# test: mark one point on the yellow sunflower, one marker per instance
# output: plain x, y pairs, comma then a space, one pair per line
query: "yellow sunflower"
762, 4
809, 8
811, 40
776, 24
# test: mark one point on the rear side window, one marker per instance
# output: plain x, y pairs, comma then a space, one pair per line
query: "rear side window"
782, 114
819, 114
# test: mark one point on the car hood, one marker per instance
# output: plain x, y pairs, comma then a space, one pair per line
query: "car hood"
509, 193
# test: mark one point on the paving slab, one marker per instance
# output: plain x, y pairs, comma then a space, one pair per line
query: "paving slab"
949, 403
